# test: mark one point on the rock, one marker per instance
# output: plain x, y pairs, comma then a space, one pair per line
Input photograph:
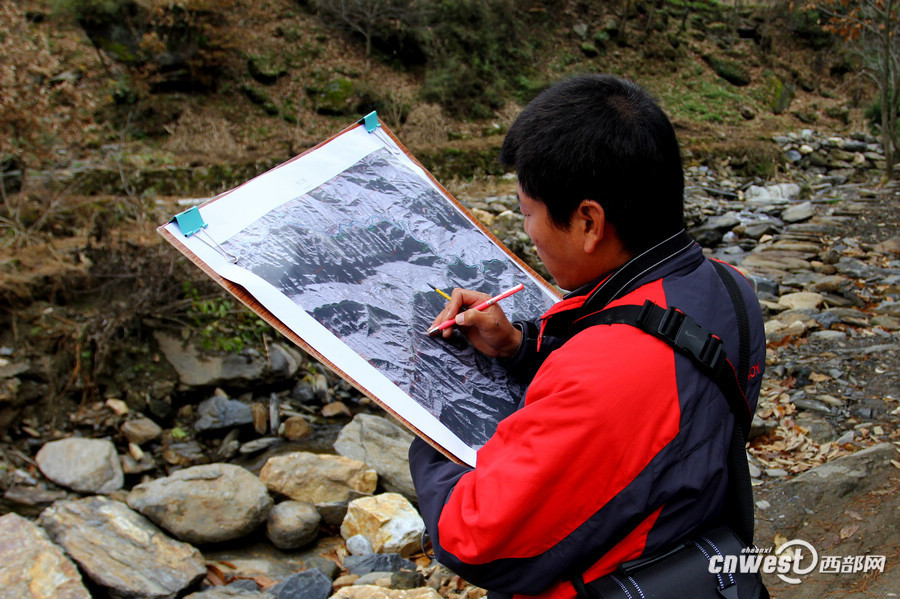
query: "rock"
204, 504
377, 562
801, 300
30, 500
888, 308
375, 592
359, 545
889, 246
141, 430
317, 478
293, 524
379, 579
381, 445
228, 592
296, 428
219, 412
389, 521
888, 323
121, 550
798, 213
33, 567
311, 584
189, 453
848, 473
772, 194
84, 465
257, 558
198, 368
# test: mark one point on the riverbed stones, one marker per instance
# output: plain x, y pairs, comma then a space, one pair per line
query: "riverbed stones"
317, 478
293, 524
83, 465
310, 584
121, 550
376, 592
200, 368
219, 412
204, 504
801, 300
141, 430
383, 446
798, 212
33, 567
388, 521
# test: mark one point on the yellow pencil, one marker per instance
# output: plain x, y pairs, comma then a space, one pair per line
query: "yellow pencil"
439, 291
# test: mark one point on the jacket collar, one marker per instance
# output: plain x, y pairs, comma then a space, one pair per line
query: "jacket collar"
650, 265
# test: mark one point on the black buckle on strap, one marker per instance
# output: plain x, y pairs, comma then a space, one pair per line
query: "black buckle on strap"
683, 333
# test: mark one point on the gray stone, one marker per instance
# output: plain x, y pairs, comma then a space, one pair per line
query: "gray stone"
121, 550
772, 194
293, 524
375, 592
204, 504
854, 268
377, 562
219, 412
828, 336
199, 368
801, 300
33, 567
359, 545
383, 446
84, 465
798, 213
229, 592
847, 473
888, 308
141, 430
311, 584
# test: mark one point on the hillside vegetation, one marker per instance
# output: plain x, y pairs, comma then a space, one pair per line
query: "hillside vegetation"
161, 82
110, 111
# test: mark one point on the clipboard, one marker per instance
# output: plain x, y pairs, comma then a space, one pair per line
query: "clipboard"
337, 249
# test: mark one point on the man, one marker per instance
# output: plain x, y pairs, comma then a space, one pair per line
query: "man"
619, 447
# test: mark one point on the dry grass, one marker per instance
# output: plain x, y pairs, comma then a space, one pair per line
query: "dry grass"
203, 132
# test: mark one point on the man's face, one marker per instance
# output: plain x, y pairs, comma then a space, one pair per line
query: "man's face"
561, 250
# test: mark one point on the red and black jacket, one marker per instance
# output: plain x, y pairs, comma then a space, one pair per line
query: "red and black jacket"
619, 447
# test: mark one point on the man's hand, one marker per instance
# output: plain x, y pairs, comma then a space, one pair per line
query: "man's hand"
489, 331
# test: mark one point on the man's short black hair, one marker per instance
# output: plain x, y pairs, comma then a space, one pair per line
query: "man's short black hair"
601, 138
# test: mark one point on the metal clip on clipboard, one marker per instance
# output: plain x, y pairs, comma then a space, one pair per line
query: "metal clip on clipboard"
191, 221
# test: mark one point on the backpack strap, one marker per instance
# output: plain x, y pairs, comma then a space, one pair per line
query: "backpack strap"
707, 351
686, 336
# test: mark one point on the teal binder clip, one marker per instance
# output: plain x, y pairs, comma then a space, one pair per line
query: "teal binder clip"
371, 121
374, 126
191, 222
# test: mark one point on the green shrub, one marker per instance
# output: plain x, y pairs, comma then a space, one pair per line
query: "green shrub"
478, 51
729, 70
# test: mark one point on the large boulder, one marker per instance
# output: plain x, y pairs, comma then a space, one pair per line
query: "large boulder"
383, 446
84, 465
121, 550
204, 504
318, 478
32, 566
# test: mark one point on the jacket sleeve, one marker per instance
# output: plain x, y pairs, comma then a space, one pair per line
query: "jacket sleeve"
524, 364
516, 522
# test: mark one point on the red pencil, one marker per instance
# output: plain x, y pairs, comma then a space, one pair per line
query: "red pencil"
482, 306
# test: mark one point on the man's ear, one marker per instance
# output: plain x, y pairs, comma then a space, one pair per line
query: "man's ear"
592, 219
